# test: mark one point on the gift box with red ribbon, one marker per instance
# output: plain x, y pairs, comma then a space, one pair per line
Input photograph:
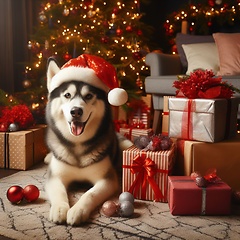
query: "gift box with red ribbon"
186, 198
145, 173
165, 115
206, 120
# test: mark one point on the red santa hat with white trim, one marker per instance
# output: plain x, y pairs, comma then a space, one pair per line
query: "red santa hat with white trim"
95, 71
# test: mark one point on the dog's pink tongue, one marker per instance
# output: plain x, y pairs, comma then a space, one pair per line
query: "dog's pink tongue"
76, 128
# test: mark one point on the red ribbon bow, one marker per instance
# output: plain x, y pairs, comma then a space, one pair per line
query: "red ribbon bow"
145, 169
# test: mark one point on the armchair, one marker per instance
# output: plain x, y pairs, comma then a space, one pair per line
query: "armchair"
164, 69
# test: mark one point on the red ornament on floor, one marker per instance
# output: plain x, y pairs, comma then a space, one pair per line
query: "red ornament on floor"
31, 193
15, 194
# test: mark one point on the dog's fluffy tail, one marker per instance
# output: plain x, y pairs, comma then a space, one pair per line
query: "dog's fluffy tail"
124, 143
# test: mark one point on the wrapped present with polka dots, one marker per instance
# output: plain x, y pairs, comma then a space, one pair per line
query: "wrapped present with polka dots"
22, 149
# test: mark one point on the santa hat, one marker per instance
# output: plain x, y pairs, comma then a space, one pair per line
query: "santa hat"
95, 71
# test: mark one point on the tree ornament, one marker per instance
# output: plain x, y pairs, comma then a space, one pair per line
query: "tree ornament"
129, 28
115, 10
13, 127
91, 13
137, 55
66, 11
109, 208
209, 23
87, 3
126, 209
15, 194
105, 39
29, 45
119, 32
211, 3
67, 56
31, 193
218, 2
42, 17
26, 83
139, 32
126, 196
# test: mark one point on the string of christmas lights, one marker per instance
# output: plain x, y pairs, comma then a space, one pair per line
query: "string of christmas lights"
203, 19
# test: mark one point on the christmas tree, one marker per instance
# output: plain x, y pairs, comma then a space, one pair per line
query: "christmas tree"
203, 18
111, 29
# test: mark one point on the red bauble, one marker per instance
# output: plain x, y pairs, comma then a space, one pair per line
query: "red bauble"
209, 24
137, 55
67, 56
105, 39
211, 3
115, 10
31, 193
119, 32
129, 28
15, 194
139, 32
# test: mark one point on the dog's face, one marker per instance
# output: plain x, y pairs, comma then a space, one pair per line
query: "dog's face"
81, 106
75, 108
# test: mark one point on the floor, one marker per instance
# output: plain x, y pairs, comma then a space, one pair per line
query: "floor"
7, 172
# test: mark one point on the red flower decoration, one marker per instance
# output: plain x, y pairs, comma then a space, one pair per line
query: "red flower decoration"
203, 84
19, 114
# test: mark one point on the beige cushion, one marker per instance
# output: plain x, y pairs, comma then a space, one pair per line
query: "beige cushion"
201, 56
228, 45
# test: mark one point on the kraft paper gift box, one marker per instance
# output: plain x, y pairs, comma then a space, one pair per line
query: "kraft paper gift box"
145, 173
207, 120
22, 149
133, 133
165, 115
186, 198
200, 156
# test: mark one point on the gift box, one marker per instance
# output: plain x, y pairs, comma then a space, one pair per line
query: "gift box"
22, 149
207, 120
145, 173
186, 198
165, 115
133, 133
200, 156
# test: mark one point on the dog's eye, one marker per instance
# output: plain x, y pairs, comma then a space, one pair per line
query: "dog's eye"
88, 96
67, 95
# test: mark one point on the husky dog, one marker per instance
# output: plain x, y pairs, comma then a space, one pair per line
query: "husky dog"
81, 138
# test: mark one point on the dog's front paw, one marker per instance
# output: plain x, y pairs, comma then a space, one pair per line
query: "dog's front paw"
77, 216
58, 213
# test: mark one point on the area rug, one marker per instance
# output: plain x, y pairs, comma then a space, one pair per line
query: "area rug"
151, 220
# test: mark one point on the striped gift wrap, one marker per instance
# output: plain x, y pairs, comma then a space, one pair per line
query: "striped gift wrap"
145, 173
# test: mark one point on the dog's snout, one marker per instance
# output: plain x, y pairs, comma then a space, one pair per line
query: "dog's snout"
76, 112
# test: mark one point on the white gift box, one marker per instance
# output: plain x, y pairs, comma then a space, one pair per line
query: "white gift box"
207, 120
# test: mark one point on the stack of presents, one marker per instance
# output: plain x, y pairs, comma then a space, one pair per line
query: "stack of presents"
204, 142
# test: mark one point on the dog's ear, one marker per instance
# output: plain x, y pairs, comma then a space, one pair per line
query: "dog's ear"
52, 70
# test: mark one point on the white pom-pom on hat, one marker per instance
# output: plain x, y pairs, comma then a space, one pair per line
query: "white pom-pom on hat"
95, 71
117, 97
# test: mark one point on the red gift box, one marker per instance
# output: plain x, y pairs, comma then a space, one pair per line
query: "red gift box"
145, 173
186, 198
